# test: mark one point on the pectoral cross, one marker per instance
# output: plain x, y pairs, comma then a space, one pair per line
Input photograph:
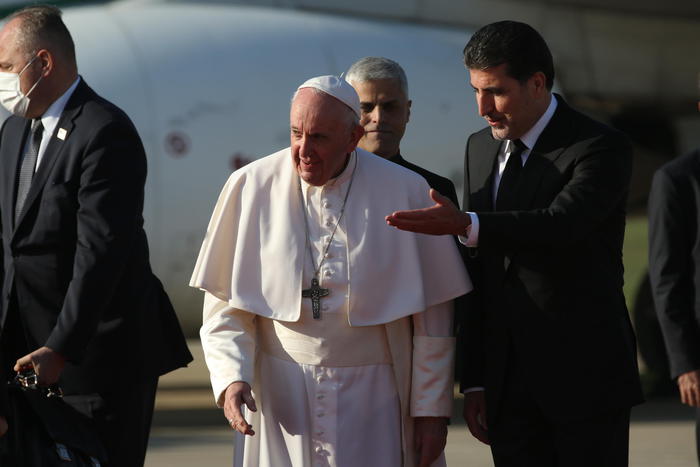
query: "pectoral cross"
315, 292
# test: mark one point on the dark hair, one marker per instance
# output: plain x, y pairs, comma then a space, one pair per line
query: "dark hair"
41, 27
518, 45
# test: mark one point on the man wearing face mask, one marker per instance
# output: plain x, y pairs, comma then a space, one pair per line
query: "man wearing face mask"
77, 283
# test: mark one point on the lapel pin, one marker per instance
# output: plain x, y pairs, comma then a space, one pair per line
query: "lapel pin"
61, 134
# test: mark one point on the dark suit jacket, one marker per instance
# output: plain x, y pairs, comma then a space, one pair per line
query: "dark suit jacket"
548, 277
77, 261
674, 258
442, 185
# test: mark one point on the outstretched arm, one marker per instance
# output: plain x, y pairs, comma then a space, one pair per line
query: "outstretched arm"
442, 218
597, 186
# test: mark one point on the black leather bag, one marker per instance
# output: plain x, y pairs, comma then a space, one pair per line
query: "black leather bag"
47, 432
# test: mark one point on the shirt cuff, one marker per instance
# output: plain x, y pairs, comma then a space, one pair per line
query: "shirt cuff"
472, 237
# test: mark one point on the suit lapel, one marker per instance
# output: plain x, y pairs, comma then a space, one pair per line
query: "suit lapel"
482, 168
550, 145
65, 127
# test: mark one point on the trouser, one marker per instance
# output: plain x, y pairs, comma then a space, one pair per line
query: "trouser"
522, 435
122, 418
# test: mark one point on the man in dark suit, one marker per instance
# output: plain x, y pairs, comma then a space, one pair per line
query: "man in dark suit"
383, 89
80, 303
674, 270
549, 353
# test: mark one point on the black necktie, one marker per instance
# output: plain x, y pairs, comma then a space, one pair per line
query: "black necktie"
26, 171
506, 198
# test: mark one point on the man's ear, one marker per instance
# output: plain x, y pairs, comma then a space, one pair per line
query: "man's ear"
538, 83
408, 117
356, 135
47, 62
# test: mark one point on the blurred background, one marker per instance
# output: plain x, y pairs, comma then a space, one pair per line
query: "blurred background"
208, 85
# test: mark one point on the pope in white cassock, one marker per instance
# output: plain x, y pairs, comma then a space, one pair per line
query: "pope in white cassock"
329, 328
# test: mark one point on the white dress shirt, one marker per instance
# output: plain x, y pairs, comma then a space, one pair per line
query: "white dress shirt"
50, 119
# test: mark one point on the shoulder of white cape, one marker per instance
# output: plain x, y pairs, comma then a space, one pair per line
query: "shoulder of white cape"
385, 186
381, 170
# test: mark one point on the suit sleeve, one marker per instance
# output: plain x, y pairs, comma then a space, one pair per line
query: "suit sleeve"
597, 185
110, 204
670, 271
450, 192
469, 312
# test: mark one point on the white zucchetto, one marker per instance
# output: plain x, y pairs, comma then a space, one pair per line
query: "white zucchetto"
338, 88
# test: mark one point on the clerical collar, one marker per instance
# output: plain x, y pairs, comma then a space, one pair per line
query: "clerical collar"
530, 138
337, 181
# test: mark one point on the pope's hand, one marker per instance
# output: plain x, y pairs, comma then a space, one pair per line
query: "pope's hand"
442, 218
689, 387
430, 438
47, 363
475, 415
237, 394
3, 426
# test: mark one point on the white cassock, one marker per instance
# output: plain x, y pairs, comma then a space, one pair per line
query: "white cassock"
342, 390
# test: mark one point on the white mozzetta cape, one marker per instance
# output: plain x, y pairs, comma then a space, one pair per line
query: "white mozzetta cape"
253, 253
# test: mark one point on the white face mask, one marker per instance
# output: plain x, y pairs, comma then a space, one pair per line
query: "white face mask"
11, 96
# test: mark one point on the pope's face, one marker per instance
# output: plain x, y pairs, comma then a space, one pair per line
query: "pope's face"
510, 108
385, 112
321, 136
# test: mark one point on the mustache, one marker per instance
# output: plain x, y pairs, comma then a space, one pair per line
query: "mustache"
379, 128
